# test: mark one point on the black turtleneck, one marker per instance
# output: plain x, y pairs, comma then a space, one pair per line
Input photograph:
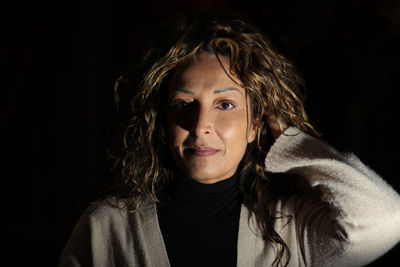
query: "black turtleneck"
200, 222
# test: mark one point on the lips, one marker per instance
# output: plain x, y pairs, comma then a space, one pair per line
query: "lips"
202, 151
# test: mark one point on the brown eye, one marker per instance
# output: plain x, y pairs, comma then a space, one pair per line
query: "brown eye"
180, 105
226, 105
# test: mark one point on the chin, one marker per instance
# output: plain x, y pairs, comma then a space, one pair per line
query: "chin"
207, 177
207, 180
201, 175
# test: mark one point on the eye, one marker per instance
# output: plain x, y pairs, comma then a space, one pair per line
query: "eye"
180, 105
226, 105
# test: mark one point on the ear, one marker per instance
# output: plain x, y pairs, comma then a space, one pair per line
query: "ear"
252, 131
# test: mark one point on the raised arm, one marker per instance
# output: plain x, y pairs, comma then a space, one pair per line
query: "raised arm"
364, 209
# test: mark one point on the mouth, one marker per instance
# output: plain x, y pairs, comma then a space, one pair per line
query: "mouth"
201, 151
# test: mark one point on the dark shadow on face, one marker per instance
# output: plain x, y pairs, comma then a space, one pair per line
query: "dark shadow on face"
185, 115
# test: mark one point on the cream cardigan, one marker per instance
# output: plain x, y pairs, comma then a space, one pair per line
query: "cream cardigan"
350, 218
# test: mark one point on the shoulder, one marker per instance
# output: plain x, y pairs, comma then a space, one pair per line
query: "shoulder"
105, 208
113, 211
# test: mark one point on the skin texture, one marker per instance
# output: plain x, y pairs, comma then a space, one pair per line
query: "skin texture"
209, 120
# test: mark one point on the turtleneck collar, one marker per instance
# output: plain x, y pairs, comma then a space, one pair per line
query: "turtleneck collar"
200, 204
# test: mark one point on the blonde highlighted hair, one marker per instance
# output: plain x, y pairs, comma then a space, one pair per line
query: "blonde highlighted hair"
143, 165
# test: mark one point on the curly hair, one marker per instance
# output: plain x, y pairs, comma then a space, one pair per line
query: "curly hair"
144, 166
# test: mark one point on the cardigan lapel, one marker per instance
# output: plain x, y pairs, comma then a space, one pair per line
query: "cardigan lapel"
157, 253
246, 247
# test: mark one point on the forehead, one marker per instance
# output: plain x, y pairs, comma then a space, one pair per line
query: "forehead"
205, 71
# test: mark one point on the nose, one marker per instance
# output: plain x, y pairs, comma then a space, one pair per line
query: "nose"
202, 121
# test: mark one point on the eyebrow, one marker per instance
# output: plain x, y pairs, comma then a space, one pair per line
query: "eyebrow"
227, 89
216, 91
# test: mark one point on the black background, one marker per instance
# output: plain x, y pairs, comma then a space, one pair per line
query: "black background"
59, 61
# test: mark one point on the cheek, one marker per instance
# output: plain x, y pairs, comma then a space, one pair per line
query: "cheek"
232, 130
175, 139
175, 135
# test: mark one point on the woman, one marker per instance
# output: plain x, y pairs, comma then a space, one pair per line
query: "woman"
220, 167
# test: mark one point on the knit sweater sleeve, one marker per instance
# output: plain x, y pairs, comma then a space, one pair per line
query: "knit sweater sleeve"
358, 209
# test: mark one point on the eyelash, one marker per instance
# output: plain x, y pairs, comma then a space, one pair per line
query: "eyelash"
179, 104
226, 101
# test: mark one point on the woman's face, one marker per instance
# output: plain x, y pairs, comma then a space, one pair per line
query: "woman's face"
209, 120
